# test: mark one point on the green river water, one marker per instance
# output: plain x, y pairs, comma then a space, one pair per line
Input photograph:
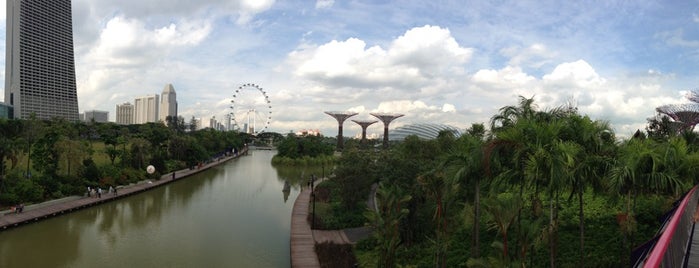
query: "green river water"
233, 215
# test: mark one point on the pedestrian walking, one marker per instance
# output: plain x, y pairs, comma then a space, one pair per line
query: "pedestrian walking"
99, 192
173, 175
88, 191
115, 191
110, 189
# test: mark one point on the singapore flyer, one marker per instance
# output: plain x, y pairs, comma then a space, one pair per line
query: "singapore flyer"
251, 109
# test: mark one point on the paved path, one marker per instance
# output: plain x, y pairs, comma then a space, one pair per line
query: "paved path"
303, 239
303, 252
33, 213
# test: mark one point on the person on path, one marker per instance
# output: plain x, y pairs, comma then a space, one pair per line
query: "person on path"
110, 189
173, 175
88, 191
99, 192
115, 191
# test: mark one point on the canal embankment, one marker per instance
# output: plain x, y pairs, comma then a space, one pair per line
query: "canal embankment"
36, 212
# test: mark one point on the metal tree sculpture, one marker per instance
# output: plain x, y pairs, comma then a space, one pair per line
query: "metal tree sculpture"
386, 119
685, 114
340, 117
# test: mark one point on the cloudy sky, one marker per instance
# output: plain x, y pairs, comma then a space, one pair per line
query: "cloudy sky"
454, 62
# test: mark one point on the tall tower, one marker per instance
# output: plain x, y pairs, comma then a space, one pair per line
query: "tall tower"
39, 61
386, 119
364, 124
168, 103
340, 117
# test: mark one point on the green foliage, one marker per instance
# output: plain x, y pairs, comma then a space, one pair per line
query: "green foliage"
51, 159
296, 147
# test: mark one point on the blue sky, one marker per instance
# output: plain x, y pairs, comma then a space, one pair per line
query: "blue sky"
453, 62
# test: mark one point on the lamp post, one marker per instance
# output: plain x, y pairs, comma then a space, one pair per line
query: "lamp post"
313, 194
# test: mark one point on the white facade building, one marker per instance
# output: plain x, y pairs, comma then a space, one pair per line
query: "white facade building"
146, 109
124, 114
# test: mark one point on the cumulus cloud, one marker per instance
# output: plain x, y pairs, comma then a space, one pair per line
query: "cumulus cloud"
409, 62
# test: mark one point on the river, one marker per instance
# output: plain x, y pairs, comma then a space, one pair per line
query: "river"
233, 215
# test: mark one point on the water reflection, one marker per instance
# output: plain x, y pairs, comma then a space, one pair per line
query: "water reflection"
286, 190
299, 175
229, 216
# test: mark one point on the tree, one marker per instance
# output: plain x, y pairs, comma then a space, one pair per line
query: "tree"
440, 189
385, 222
466, 163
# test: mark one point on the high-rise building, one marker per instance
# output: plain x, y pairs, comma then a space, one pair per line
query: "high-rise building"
168, 103
146, 109
39, 61
97, 116
124, 114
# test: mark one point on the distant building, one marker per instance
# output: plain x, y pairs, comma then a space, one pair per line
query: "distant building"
97, 116
168, 103
425, 131
39, 61
6, 111
125, 114
146, 109
227, 122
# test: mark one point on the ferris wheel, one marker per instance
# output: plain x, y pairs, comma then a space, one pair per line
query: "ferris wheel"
251, 109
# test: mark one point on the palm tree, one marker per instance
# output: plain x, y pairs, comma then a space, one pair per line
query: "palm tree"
467, 164
385, 222
593, 162
509, 115
438, 187
504, 209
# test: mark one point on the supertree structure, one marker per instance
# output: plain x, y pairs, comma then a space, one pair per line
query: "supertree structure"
386, 118
340, 117
364, 124
685, 115
693, 95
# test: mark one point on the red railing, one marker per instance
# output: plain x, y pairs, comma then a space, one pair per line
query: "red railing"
671, 248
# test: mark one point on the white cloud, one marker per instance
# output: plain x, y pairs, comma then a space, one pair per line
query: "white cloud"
411, 60
573, 75
508, 77
321, 4
535, 55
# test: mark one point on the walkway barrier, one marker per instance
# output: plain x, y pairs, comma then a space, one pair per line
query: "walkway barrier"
670, 249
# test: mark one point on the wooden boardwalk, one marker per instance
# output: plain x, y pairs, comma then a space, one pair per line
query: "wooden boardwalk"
303, 252
50, 209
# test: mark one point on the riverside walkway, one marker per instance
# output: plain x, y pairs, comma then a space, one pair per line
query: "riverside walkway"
34, 213
303, 238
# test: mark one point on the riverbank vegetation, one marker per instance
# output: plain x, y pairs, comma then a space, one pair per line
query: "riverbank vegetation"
306, 150
549, 188
48, 159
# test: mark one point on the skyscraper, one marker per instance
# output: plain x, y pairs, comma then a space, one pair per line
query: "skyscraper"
146, 109
39, 61
168, 103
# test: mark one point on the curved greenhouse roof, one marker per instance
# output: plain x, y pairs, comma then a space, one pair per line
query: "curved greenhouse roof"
425, 131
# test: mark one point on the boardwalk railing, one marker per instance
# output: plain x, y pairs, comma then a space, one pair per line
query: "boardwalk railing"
671, 246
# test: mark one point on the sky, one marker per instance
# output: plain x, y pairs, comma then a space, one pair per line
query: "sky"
452, 62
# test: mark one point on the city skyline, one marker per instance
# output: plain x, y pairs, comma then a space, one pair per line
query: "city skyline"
447, 62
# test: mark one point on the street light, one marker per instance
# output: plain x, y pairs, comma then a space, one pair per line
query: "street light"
313, 194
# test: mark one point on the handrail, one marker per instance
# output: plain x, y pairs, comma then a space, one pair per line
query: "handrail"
663, 252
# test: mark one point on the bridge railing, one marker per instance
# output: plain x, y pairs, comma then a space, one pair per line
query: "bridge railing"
671, 247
